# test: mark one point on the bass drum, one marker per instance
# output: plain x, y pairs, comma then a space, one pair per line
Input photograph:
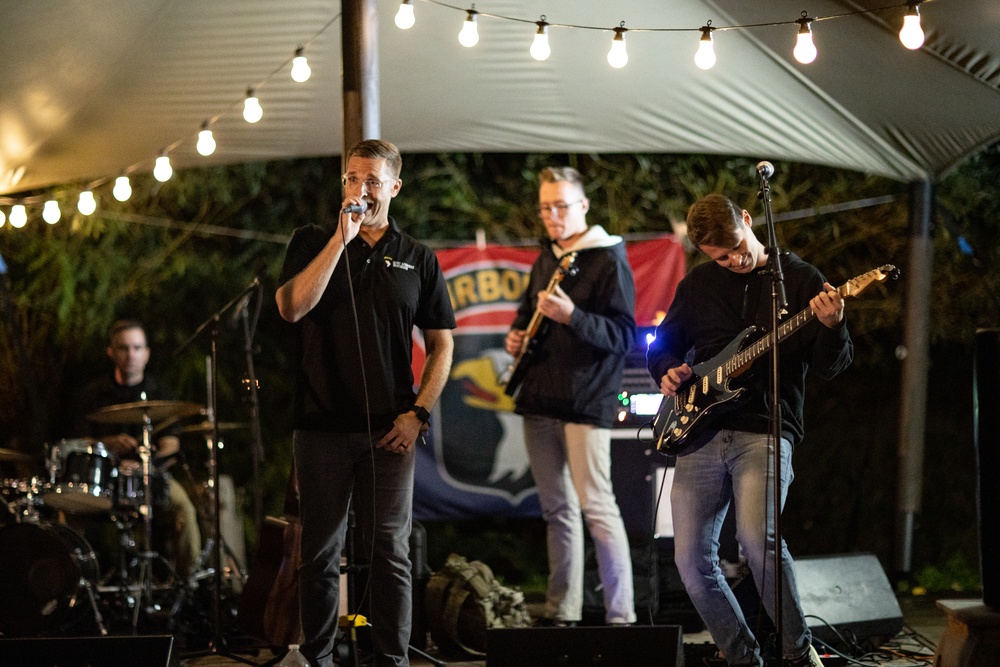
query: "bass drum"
44, 569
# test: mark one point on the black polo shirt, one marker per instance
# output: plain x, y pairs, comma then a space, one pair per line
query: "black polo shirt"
104, 392
397, 284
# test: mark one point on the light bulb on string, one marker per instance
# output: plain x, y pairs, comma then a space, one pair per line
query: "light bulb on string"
618, 56
912, 34
206, 142
86, 204
805, 50
705, 58
163, 171
51, 212
300, 66
123, 188
18, 216
3, 218
469, 35
540, 49
404, 17
252, 111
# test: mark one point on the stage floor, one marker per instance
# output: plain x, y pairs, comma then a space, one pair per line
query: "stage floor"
923, 626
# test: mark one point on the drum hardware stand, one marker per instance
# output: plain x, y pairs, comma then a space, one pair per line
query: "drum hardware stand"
98, 618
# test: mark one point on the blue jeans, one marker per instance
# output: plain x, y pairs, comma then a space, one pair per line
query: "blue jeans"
734, 466
571, 465
332, 469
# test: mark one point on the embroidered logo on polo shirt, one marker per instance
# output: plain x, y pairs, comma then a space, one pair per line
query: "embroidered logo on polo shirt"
390, 263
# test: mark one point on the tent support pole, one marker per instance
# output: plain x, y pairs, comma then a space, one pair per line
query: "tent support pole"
913, 397
359, 50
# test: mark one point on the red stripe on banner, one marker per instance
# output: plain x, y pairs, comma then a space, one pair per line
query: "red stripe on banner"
485, 284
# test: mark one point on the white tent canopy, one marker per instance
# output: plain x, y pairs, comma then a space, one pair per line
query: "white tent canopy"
91, 89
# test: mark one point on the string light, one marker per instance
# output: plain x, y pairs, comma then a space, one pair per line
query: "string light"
912, 34
404, 16
87, 203
705, 58
469, 35
252, 111
618, 56
540, 49
300, 66
805, 50
206, 142
163, 171
18, 216
51, 212
123, 189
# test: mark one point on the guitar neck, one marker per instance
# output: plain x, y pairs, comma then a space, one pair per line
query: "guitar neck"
537, 317
747, 356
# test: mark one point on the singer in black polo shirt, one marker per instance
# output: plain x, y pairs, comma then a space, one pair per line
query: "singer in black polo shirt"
355, 290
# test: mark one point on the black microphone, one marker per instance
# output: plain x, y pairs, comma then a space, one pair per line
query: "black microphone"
765, 169
238, 311
241, 305
356, 208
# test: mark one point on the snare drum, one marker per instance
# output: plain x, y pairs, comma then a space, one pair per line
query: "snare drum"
81, 475
130, 493
44, 569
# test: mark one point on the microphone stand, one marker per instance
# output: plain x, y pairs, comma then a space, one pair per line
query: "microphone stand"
779, 307
218, 643
251, 380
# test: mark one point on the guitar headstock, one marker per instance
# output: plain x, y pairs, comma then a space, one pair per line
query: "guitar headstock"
859, 284
567, 265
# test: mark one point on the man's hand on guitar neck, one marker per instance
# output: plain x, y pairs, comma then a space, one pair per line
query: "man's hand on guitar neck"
514, 342
673, 379
556, 306
828, 306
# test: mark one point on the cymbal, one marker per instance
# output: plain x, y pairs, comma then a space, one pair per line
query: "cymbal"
14, 455
135, 413
205, 428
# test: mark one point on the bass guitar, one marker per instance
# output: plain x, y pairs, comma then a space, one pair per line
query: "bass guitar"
680, 422
515, 373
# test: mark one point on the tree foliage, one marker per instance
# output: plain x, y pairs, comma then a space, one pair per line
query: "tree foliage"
176, 253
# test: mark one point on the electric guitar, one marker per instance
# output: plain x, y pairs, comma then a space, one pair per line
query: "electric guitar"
679, 423
515, 373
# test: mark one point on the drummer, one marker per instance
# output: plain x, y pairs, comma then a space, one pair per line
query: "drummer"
128, 383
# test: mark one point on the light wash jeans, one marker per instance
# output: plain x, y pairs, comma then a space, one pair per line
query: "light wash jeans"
734, 465
571, 465
331, 468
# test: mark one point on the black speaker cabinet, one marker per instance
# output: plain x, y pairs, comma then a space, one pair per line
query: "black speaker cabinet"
608, 646
147, 650
987, 439
849, 592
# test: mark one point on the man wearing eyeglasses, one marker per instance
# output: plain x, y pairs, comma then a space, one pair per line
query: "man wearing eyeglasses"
568, 393
355, 289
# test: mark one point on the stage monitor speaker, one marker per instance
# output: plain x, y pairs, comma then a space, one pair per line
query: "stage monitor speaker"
849, 592
987, 440
607, 646
148, 650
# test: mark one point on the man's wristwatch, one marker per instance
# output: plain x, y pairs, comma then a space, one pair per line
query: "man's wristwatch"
421, 413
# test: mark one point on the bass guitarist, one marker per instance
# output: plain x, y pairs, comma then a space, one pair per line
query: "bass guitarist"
713, 304
568, 392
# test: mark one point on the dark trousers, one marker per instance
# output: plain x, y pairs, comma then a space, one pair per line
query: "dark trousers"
333, 469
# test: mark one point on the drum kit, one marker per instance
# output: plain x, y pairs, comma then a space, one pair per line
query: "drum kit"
49, 572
